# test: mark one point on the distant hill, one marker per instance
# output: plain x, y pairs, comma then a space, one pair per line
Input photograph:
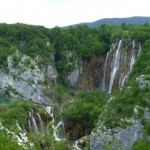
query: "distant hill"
118, 21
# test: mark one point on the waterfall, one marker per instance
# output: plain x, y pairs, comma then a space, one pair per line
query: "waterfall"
29, 124
42, 133
34, 125
132, 62
59, 131
18, 126
124, 79
140, 49
76, 146
35, 129
49, 110
30, 114
133, 56
115, 66
105, 69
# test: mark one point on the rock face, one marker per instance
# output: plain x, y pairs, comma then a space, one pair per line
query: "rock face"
24, 79
73, 77
74, 131
125, 137
143, 81
109, 72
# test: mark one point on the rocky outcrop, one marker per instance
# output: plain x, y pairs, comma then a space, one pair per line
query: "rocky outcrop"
24, 79
73, 77
120, 138
124, 138
88, 74
143, 81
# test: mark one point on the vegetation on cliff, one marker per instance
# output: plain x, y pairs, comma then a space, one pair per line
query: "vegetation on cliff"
70, 46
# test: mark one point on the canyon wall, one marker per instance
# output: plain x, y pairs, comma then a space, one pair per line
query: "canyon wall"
108, 72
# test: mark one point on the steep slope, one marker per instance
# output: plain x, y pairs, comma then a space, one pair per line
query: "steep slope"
109, 72
126, 117
24, 74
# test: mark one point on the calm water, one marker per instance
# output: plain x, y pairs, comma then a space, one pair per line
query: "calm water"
4, 101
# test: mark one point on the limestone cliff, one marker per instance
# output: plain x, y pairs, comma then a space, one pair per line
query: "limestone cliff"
25, 80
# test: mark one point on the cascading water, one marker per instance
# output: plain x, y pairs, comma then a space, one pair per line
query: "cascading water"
105, 69
42, 133
140, 49
76, 146
133, 56
34, 125
49, 110
30, 114
35, 129
29, 124
59, 130
115, 66
132, 62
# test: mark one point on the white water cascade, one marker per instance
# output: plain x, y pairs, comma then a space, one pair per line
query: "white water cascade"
20, 137
49, 110
29, 124
115, 66
34, 125
76, 146
105, 69
133, 56
59, 130
42, 133
35, 129
132, 62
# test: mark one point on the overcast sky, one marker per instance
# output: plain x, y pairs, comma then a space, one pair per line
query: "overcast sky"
50, 13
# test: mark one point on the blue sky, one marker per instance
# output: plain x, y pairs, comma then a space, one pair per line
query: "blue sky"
50, 13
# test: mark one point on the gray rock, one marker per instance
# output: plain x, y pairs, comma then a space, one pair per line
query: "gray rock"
73, 77
143, 82
26, 80
125, 137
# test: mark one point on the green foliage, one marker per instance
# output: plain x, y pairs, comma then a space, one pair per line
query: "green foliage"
15, 111
146, 124
141, 145
27, 62
26, 38
86, 108
141, 33
113, 146
117, 33
6, 143
63, 93
60, 90
60, 145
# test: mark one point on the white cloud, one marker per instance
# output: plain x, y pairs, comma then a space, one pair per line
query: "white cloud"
64, 12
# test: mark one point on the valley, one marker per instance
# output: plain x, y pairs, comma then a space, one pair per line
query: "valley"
75, 88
